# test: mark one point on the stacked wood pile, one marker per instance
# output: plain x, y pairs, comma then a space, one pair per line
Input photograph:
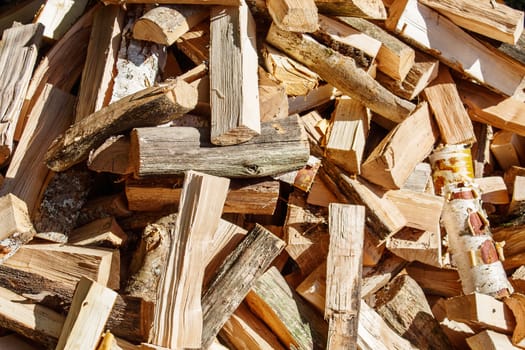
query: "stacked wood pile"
275, 174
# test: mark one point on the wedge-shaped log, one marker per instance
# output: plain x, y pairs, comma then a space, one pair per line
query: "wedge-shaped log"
417, 245
383, 218
452, 119
21, 42
293, 321
148, 107
493, 189
281, 147
410, 142
372, 9
104, 232
165, 24
235, 277
424, 70
438, 36
395, 58
481, 310
434, 280
349, 125
294, 15
344, 268
234, 98
102, 51
87, 316
488, 107
50, 116
341, 72
491, 19
404, 307
178, 311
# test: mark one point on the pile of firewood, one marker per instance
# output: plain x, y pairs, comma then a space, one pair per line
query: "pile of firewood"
299, 174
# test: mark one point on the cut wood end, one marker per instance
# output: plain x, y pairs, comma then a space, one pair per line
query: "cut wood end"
147, 30
183, 94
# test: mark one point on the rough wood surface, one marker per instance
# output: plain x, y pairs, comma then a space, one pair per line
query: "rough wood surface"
395, 58
104, 42
490, 340
282, 146
22, 42
17, 228
165, 24
87, 316
104, 232
516, 303
150, 106
58, 16
451, 117
436, 281
235, 277
294, 322
341, 72
234, 98
404, 307
178, 317
112, 156
343, 283
51, 115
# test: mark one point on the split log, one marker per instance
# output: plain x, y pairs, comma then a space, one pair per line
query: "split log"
306, 233
378, 276
104, 42
348, 41
349, 126
489, 107
517, 202
436, 281
273, 101
372, 9
471, 244
190, 2
516, 303
297, 79
195, 43
420, 180
23, 12
417, 245
341, 72
67, 263
493, 189
452, 119
165, 24
383, 218
63, 197
50, 116
437, 35
481, 310
59, 68
320, 194
456, 331
393, 160
281, 147
104, 232
513, 236
490, 340
244, 329
510, 176
150, 106
234, 98
17, 228
87, 316
483, 161
404, 307
112, 156
491, 19
179, 293
235, 277
21, 42
395, 58
303, 178
290, 318
343, 283
100, 207
58, 16
244, 197
294, 15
